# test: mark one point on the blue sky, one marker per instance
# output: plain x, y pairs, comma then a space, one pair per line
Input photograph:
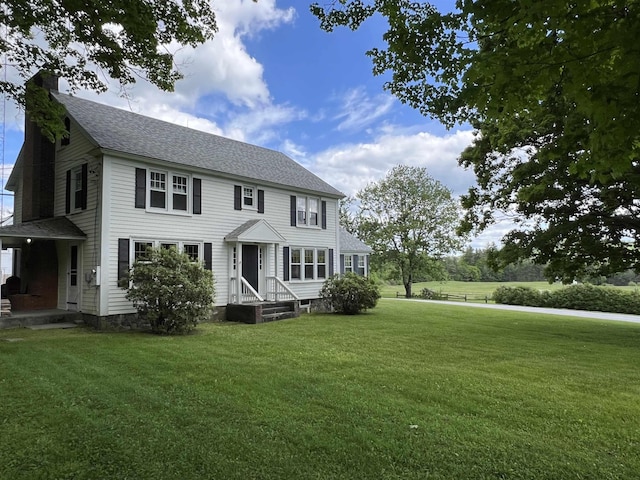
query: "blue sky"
271, 77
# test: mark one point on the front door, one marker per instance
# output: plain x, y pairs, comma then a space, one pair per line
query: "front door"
73, 286
250, 265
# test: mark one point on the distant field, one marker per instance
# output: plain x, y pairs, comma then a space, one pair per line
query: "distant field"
475, 289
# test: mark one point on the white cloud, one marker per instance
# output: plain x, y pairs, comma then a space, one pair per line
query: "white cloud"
358, 110
350, 167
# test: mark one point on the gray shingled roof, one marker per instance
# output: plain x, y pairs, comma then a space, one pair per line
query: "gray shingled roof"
50, 228
126, 132
349, 243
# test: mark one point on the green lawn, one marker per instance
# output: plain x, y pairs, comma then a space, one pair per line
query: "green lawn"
476, 289
407, 391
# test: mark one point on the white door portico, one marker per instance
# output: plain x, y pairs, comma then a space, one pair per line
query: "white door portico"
253, 264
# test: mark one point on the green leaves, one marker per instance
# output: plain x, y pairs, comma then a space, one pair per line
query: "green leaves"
127, 39
170, 291
552, 89
408, 218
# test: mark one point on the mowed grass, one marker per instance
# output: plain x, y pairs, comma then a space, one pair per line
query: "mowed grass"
407, 391
475, 289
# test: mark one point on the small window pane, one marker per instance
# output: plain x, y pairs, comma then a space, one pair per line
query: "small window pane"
158, 181
302, 210
167, 246
313, 211
295, 272
179, 202
308, 271
140, 249
192, 251
158, 199
248, 196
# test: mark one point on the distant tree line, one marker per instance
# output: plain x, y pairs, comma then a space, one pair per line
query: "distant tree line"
473, 265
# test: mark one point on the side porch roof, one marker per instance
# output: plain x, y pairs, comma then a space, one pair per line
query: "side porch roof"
56, 228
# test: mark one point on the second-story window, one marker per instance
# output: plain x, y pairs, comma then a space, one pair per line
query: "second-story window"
307, 211
165, 191
180, 183
158, 189
247, 197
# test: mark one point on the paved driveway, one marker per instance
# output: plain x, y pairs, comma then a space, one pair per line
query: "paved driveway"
620, 317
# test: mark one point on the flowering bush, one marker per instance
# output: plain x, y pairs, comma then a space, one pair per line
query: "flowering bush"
170, 291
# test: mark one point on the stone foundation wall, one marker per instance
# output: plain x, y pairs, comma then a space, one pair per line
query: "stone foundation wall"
131, 321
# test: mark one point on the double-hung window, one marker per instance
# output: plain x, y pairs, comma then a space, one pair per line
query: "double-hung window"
180, 192
158, 189
308, 263
296, 263
247, 197
78, 187
348, 263
168, 191
308, 212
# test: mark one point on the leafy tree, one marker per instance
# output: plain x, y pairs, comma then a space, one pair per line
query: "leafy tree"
552, 89
408, 218
78, 39
350, 293
170, 291
346, 215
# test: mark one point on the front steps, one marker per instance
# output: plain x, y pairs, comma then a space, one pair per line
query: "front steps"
262, 312
24, 319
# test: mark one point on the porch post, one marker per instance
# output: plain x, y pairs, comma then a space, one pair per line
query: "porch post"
239, 271
1, 271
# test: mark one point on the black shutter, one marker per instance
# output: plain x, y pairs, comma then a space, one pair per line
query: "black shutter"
293, 210
208, 256
285, 263
323, 205
341, 263
237, 197
67, 199
354, 265
331, 262
260, 201
123, 261
197, 196
366, 264
141, 188
85, 189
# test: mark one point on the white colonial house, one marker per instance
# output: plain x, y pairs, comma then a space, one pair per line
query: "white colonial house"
87, 206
